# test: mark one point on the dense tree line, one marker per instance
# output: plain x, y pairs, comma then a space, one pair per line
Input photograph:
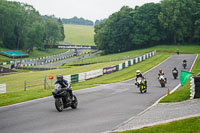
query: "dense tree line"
168, 22
22, 27
78, 21
99, 21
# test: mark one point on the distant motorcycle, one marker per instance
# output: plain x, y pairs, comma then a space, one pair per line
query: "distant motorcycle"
141, 84
62, 98
184, 65
175, 74
162, 81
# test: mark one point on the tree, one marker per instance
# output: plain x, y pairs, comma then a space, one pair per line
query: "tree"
61, 29
113, 35
176, 17
147, 29
52, 31
34, 37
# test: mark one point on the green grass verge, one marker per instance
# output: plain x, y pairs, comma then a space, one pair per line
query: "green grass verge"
191, 125
79, 34
183, 93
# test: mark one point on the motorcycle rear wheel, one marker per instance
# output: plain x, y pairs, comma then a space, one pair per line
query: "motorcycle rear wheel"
74, 103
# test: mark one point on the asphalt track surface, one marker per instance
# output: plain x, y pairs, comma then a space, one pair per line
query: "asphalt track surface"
100, 108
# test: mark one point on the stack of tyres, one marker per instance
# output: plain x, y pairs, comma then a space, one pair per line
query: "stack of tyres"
197, 86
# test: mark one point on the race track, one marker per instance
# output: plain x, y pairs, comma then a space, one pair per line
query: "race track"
100, 108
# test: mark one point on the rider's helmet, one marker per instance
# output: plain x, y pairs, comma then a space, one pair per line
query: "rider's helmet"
198, 74
138, 72
184, 60
160, 71
175, 68
59, 77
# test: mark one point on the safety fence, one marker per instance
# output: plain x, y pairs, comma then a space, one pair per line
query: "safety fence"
99, 72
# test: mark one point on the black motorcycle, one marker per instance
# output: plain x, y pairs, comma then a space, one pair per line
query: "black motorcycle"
175, 74
62, 98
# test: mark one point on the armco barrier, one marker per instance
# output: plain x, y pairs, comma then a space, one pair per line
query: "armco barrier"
68, 78
94, 73
2, 88
82, 77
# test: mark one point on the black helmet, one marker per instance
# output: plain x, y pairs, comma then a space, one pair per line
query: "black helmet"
174, 68
59, 77
160, 70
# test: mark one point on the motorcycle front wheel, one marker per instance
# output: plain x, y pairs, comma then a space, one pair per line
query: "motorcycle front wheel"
59, 104
141, 91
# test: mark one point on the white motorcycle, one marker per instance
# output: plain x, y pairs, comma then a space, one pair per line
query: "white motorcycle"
162, 81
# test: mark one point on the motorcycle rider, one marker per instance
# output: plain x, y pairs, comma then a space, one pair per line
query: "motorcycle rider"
139, 75
64, 85
160, 73
175, 69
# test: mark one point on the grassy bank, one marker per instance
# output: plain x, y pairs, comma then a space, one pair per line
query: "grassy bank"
191, 125
183, 93
79, 34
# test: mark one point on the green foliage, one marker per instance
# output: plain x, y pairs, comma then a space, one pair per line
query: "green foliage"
170, 21
76, 20
22, 27
113, 35
147, 29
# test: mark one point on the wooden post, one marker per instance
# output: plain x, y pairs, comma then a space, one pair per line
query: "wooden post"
168, 92
45, 82
25, 85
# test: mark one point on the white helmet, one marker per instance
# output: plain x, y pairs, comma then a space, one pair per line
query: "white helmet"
138, 72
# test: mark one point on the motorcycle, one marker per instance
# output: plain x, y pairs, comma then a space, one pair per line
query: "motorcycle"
62, 98
175, 74
184, 65
162, 81
141, 83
